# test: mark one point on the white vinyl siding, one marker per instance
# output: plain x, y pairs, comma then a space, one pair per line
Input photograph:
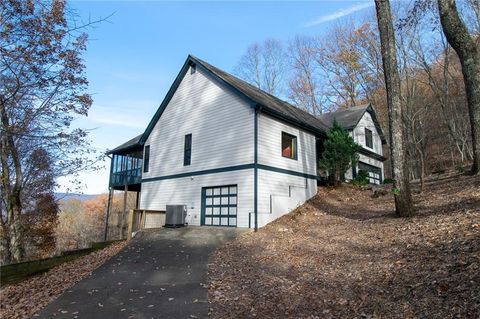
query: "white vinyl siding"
270, 146
359, 134
221, 125
279, 193
156, 195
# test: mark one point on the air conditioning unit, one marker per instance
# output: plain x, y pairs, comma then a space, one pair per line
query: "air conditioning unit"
175, 216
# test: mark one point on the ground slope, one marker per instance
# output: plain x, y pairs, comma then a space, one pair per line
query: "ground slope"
344, 254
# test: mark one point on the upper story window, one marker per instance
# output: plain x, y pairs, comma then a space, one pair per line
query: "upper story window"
289, 145
146, 158
187, 153
368, 138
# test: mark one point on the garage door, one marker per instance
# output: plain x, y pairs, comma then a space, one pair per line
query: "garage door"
219, 206
374, 173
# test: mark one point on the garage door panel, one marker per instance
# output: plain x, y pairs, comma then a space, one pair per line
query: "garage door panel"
374, 173
219, 205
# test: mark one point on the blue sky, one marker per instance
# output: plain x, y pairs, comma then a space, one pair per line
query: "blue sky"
133, 58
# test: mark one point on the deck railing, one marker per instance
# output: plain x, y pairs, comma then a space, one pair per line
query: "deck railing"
127, 177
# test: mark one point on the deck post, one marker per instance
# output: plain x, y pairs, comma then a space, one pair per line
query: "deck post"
137, 202
130, 223
122, 220
110, 191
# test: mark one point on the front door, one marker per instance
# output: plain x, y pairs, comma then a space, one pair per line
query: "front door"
219, 206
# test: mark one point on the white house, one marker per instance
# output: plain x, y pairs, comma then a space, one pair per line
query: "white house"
232, 153
363, 126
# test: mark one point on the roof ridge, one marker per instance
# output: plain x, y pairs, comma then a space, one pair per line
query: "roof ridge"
254, 87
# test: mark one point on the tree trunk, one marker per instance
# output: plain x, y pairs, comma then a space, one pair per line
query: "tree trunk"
12, 189
468, 52
403, 199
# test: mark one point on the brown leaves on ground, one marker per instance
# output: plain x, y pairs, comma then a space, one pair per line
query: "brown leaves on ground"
344, 255
28, 297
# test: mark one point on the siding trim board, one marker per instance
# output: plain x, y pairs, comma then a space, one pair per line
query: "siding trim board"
230, 169
286, 171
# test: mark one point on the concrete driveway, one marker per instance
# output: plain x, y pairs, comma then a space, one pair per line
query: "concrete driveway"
160, 274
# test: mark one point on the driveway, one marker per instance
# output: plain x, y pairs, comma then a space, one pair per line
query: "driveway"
160, 274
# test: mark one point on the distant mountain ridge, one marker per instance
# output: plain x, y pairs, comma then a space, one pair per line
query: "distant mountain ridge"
68, 196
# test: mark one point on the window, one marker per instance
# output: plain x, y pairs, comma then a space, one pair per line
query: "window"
146, 158
289, 146
187, 154
368, 138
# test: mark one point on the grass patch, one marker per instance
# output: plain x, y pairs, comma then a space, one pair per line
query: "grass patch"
17, 272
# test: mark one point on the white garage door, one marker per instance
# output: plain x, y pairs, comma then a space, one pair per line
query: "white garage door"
219, 206
374, 173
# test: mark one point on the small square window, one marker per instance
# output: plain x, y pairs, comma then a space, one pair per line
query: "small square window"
289, 146
368, 138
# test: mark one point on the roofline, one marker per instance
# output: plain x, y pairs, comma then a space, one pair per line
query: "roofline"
123, 149
372, 113
189, 61
284, 118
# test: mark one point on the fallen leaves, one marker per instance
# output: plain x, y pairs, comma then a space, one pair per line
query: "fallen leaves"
24, 299
336, 258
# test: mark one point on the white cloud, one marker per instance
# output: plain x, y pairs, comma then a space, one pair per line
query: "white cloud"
339, 14
132, 114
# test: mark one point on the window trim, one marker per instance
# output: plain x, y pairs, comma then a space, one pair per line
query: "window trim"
371, 138
146, 158
295, 146
187, 159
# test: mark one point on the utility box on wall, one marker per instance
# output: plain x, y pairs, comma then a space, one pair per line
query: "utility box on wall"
175, 216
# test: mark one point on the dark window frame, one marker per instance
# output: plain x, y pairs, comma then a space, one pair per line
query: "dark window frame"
368, 138
295, 146
187, 150
146, 158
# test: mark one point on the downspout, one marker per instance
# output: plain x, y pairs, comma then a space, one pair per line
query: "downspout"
255, 164
110, 190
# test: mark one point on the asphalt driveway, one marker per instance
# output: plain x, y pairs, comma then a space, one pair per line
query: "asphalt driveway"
160, 274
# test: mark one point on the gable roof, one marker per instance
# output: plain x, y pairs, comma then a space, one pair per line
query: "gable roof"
259, 99
269, 103
348, 118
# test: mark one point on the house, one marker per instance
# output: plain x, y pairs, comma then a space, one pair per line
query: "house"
233, 154
362, 124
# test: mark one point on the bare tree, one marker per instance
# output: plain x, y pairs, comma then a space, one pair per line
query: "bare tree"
304, 85
263, 65
403, 197
42, 89
467, 48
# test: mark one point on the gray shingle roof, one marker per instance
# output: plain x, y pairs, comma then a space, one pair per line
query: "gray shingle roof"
127, 145
347, 117
265, 99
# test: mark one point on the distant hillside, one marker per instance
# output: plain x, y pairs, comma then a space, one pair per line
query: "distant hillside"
81, 197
